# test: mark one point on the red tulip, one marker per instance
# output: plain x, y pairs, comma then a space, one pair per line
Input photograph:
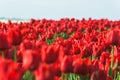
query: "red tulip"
56, 67
75, 49
27, 44
14, 36
45, 72
109, 78
14, 76
98, 49
113, 37
95, 65
102, 75
99, 75
67, 64
104, 57
117, 54
81, 66
93, 76
57, 78
10, 70
107, 65
86, 51
31, 59
32, 20
116, 51
49, 53
9, 53
4, 44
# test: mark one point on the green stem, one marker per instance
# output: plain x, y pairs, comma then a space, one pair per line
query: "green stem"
63, 76
15, 54
110, 73
112, 53
3, 55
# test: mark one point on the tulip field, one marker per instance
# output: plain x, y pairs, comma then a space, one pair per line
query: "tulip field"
65, 49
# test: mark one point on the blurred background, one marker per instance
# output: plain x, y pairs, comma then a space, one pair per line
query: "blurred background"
56, 9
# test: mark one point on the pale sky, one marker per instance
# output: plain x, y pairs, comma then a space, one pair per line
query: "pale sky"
56, 9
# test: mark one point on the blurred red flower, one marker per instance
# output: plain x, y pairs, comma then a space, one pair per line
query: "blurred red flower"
4, 44
45, 72
113, 37
31, 59
50, 53
67, 64
14, 36
81, 66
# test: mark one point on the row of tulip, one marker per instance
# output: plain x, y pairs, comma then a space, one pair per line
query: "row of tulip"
65, 49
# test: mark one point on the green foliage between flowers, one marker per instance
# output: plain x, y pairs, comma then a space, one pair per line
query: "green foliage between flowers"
63, 35
28, 75
118, 76
72, 76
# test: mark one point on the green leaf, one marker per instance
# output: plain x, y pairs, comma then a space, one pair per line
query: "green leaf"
49, 41
110, 71
28, 76
118, 75
71, 76
83, 31
64, 36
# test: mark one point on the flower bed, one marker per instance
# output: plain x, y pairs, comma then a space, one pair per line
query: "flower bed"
65, 49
